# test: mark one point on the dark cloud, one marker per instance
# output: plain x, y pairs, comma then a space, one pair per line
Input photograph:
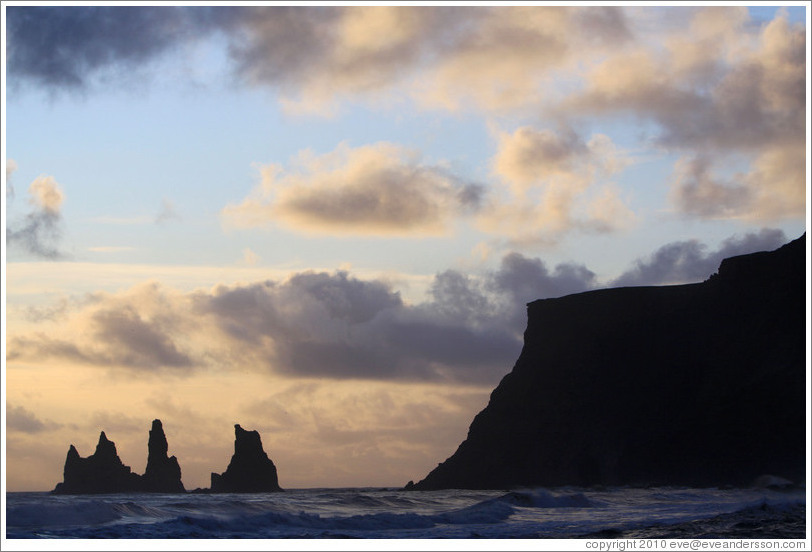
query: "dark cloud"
527, 279
458, 297
347, 298
19, 418
335, 326
37, 234
66, 47
327, 325
136, 342
687, 261
41, 229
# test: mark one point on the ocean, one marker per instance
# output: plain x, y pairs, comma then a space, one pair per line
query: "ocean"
377, 513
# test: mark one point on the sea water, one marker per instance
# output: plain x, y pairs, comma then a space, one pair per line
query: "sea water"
397, 514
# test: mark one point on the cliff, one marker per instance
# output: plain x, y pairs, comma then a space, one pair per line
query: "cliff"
250, 469
700, 384
104, 472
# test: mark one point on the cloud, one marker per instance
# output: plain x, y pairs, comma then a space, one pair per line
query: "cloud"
20, 419
249, 257
700, 81
774, 189
40, 230
448, 57
510, 57
527, 279
488, 57
717, 93
166, 213
65, 48
555, 182
687, 261
313, 55
335, 326
380, 189
141, 343
137, 330
310, 325
11, 166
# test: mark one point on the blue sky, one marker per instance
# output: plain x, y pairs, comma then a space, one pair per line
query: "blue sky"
232, 216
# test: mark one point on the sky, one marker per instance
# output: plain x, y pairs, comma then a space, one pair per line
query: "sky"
324, 222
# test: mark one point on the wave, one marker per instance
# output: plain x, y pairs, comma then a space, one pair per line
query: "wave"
541, 498
375, 514
62, 515
240, 518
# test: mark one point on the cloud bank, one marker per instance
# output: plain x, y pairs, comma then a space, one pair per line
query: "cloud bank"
337, 326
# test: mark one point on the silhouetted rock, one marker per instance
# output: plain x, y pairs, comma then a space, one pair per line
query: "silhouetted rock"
163, 473
699, 384
101, 472
250, 469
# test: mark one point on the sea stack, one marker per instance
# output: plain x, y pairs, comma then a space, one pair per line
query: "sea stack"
163, 472
101, 472
104, 472
250, 469
698, 385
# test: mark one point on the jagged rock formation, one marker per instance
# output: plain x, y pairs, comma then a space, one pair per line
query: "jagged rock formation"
250, 469
163, 473
101, 472
700, 384
104, 472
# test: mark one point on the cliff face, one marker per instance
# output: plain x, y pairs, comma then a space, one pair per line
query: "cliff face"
700, 384
104, 472
250, 469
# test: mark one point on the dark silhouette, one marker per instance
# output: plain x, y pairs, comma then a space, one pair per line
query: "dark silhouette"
250, 469
699, 384
163, 473
103, 471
